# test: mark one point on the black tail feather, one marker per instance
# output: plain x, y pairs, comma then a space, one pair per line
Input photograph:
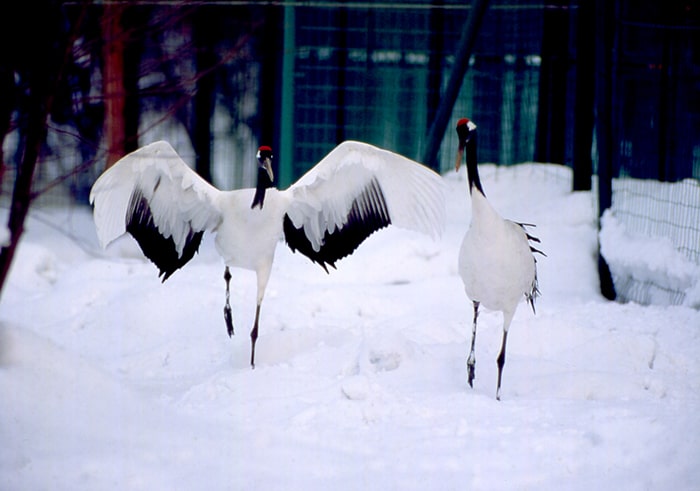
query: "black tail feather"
534, 292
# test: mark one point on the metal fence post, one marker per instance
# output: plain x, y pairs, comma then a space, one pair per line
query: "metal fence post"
464, 51
286, 150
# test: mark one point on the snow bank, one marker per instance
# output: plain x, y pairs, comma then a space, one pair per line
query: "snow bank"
112, 380
650, 270
651, 241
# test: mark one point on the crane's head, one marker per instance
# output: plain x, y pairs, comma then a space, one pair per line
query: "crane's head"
264, 157
265, 175
466, 132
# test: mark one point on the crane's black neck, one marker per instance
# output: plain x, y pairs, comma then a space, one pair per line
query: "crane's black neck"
472, 167
264, 182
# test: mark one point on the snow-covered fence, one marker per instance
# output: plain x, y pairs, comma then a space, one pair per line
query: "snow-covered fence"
647, 144
651, 240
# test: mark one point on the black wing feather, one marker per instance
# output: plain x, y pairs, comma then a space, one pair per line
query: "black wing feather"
367, 214
159, 249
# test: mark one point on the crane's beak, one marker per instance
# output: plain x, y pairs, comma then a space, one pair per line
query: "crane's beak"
460, 156
465, 128
267, 165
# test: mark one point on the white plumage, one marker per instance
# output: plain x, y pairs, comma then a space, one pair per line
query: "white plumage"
496, 260
354, 191
499, 250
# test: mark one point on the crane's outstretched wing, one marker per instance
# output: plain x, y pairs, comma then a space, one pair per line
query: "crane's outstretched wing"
354, 191
152, 194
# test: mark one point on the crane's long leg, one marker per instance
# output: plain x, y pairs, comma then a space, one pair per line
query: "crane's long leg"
471, 361
263, 275
228, 316
254, 336
501, 360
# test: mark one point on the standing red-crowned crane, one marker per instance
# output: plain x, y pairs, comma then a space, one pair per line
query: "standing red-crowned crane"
354, 191
496, 260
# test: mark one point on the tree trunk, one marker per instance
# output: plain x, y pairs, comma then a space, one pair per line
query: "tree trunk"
550, 140
113, 82
585, 97
204, 98
604, 62
38, 63
133, 50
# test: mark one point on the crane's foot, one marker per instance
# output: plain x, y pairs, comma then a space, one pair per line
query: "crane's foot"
253, 339
501, 361
228, 318
228, 315
471, 362
254, 336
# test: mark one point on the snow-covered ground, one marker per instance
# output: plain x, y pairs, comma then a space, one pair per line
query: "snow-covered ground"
112, 380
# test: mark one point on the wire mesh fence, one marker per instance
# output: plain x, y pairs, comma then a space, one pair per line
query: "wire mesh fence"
376, 74
670, 210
